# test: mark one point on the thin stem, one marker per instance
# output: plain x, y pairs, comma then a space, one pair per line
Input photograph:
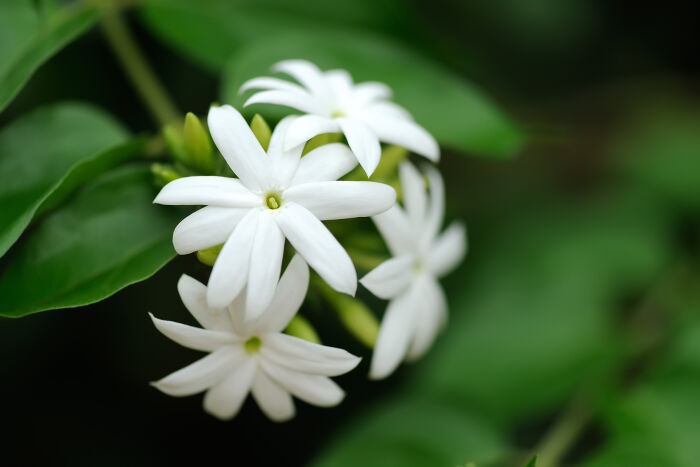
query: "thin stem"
137, 69
559, 439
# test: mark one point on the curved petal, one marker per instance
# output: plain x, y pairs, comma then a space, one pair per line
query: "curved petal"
430, 318
284, 160
265, 265
207, 190
363, 142
436, 211
415, 199
395, 334
314, 242
299, 355
225, 399
396, 231
340, 85
313, 389
205, 228
192, 337
448, 250
342, 200
296, 100
194, 295
305, 73
370, 91
266, 83
387, 109
238, 145
391, 278
405, 133
202, 374
290, 294
306, 127
325, 163
274, 401
230, 272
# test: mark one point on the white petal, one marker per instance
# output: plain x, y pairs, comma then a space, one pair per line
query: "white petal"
318, 247
202, 374
270, 83
230, 272
306, 73
363, 142
340, 85
414, 194
296, 100
391, 278
201, 190
367, 92
342, 200
396, 231
430, 318
314, 389
265, 265
225, 399
306, 127
436, 210
290, 294
194, 295
387, 109
395, 334
205, 228
284, 160
405, 133
325, 163
448, 250
238, 145
300, 355
274, 401
192, 337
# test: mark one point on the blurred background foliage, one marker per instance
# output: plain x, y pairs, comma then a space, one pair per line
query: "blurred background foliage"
571, 136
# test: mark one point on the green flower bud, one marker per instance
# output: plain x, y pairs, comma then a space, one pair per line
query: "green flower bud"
261, 130
175, 143
392, 156
208, 256
198, 145
321, 140
355, 316
301, 328
164, 174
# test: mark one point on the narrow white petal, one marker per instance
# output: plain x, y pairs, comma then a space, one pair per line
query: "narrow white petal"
270, 84
313, 389
415, 199
363, 142
290, 294
202, 374
306, 73
205, 228
325, 163
314, 242
299, 355
405, 133
430, 318
265, 265
296, 100
272, 399
238, 145
230, 272
387, 109
307, 126
225, 399
284, 159
192, 337
395, 334
391, 278
340, 85
209, 190
194, 295
436, 210
396, 231
342, 199
370, 91
448, 250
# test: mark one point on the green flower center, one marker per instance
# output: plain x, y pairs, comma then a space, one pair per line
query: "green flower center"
273, 201
252, 345
337, 114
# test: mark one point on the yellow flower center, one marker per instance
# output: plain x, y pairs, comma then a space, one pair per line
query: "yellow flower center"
252, 345
273, 201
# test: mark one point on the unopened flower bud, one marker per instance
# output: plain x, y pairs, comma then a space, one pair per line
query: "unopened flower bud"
208, 256
261, 130
301, 328
164, 174
197, 145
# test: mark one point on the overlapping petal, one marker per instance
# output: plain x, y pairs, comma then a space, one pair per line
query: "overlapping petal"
272, 399
225, 399
307, 126
363, 142
341, 199
391, 128
325, 163
194, 296
314, 389
205, 228
192, 337
448, 250
265, 265
209, 190
391, 278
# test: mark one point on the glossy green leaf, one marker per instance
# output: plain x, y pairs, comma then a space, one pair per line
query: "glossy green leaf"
30, 34
414, 433
455, 111
47, 153
108, 236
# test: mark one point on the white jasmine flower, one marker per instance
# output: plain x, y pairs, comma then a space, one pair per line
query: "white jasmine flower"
409, 280
362, 112
277, 195
253, 357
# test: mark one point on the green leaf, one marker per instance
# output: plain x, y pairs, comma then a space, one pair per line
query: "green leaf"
30, 35
108, 236
46, 154
533, 462
408, 433
457, 113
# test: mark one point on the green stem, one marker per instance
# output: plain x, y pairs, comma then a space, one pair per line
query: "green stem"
137, 69
563, 435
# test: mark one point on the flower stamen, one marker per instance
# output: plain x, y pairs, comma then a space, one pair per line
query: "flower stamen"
252, 345
273, 201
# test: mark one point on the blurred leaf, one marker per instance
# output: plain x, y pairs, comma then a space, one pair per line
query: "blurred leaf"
408, 433
30, 35
536, 322
109, 235
209, 31
48, 153
533, 462
453, 110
